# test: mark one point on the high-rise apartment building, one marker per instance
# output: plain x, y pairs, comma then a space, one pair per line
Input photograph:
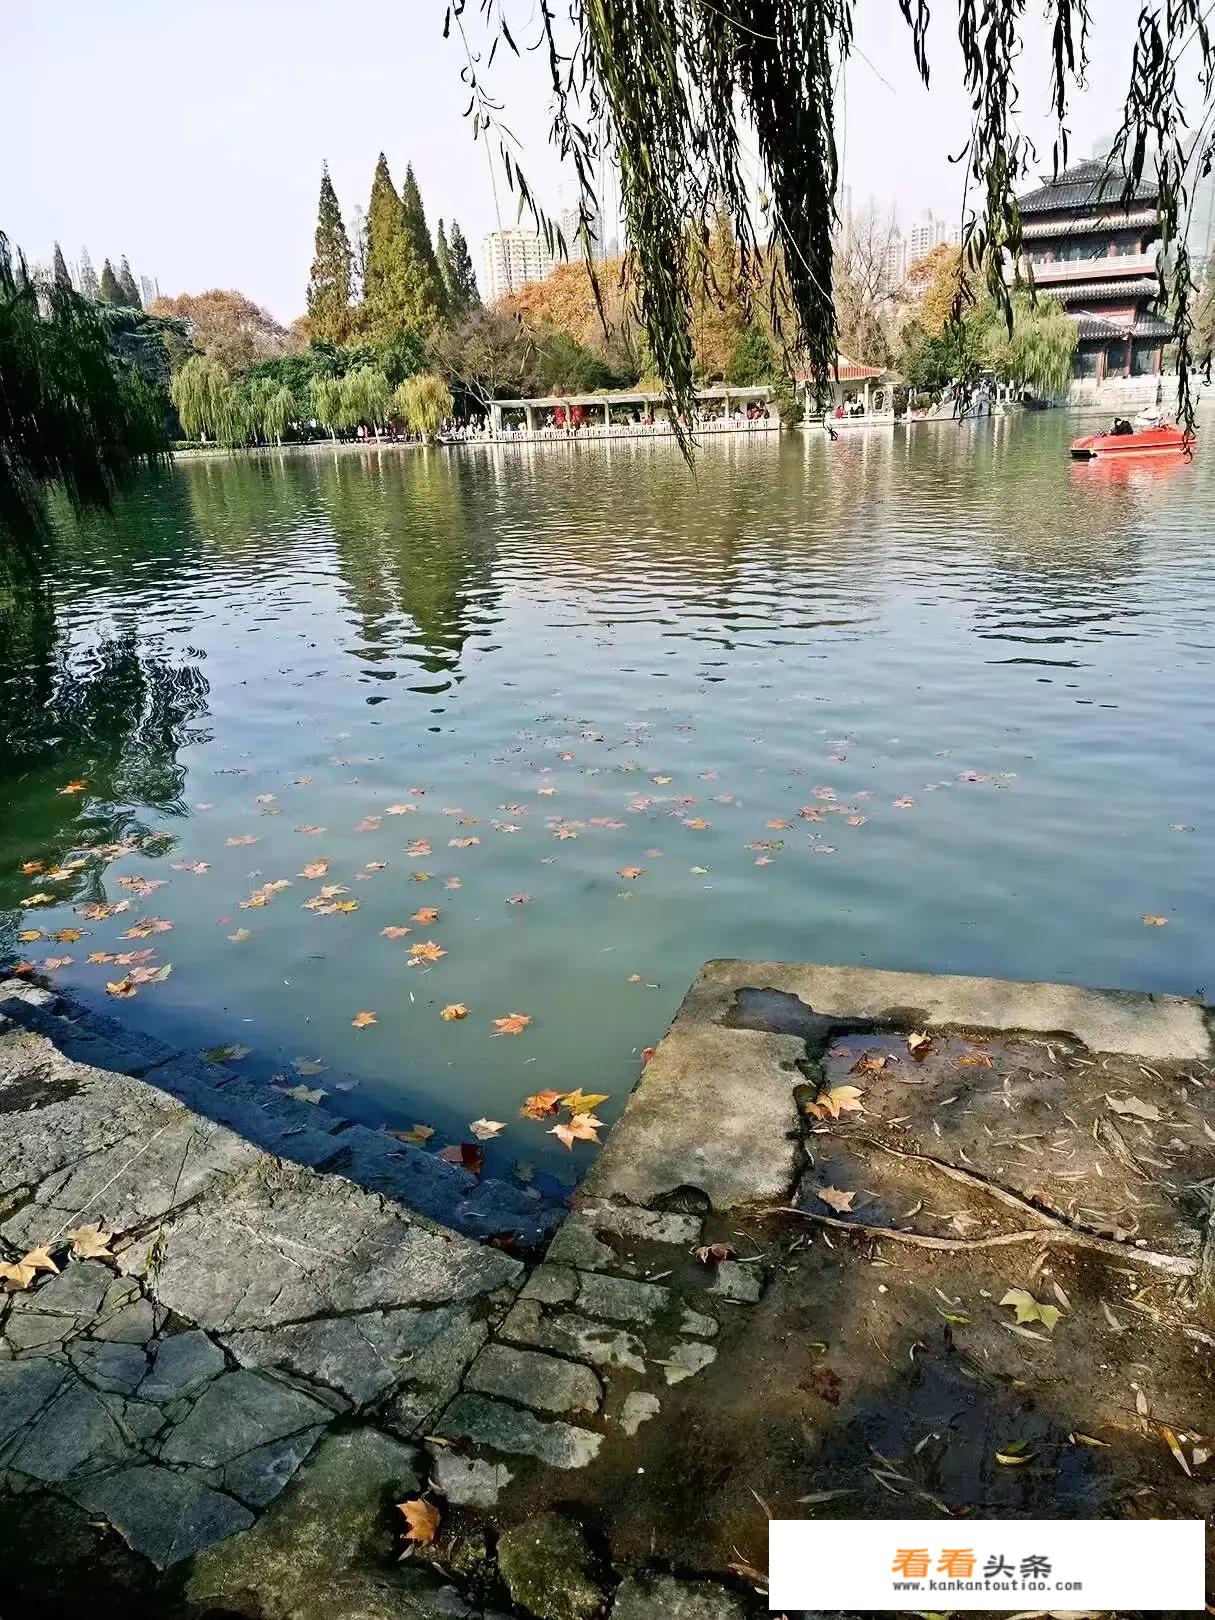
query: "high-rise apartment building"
513, 257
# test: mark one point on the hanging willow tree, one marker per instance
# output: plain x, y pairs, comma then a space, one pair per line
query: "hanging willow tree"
671, 90
71, 415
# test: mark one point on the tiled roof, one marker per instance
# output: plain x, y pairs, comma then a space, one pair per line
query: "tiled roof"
1085, 185
1081, 291
1101, 326
1083, 225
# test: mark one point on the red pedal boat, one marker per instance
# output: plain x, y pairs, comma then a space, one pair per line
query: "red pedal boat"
1163, 438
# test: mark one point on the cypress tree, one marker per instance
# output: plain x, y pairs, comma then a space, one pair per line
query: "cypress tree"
429, 298
130, 292
111, 292
329, 281
90, 287
386, 281
443, 260
464, 295
62, 278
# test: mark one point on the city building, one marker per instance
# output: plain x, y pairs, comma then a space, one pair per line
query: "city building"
893, 270
513, 257
569, 221
1096, 254
930, 232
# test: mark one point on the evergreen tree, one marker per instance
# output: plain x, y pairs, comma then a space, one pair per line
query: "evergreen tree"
386, 307
111, 291
130, 292
443, 260
464, 295
62, 278
329, 281
90, 287
428, 295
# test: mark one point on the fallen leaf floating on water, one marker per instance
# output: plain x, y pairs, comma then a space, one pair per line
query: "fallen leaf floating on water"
68, 936
541, 1105
512, 1024
919, 1044
362, 1019
29, 867
240, 936
871, 1063
146, 927
425, 950
462, 843
368, 824
90, 1242
713, 1253
21, 1273
581, 1128
40, 899
1134, 1107
314, 869
836, 1199
466, 1154
426, 914
421, 1520
122, 988
28, 935
517, 899
416, 1133
976, 1060
838, 1100
75, 786
400, 809
486, 1129
192, 866
54, 962
631, 872
419, 849
303, 1093
583, 1102
905, 803
231, 1053
1156, 922
241, 839
453, 1012
395, 931
1028, 1308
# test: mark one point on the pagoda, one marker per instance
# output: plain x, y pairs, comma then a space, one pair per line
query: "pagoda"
1094, 249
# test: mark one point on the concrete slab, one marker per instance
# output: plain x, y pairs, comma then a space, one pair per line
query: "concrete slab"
715, 1110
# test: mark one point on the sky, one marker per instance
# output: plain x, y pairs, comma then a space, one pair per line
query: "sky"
190, 135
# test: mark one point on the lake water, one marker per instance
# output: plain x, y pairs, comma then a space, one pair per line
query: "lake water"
937, 700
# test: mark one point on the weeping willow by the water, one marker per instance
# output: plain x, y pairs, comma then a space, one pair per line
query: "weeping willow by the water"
423, 402
70, 415
675, 92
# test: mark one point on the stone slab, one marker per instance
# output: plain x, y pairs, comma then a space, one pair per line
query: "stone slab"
508, 1429
235, 1414
662, 1597
545, 1383
737, 1082
163, 1514
574, 1336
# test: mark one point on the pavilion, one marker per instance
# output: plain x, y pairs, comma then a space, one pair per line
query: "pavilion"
617, 408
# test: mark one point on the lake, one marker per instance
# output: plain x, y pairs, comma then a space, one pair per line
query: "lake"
936, 700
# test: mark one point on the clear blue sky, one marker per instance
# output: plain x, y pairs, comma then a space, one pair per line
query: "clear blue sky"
189, 134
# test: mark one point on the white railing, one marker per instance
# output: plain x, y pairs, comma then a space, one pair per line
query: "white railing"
1103, 267
618, 430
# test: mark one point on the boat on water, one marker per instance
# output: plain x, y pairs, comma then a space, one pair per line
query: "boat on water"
1149, 434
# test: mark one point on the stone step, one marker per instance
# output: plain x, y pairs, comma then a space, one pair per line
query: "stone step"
283, 1125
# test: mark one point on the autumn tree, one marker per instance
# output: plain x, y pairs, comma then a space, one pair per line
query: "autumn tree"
126, 280
111, 289
934, 284
428, 294
329, 281
719, 310
90, 287
463, 294
59, 268
229, 327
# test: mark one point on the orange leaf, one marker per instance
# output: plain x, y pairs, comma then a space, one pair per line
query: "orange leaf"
362, 1019
456, 1010
631, 872
837, 1200
75, 787
395, 931
421, 1520
315, 869
712, 1253
540, 1105
466, 1154
425, 950
426, 914
512, 1024
582, 1128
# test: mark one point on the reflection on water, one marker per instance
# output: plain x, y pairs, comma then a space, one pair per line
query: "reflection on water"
932, 700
